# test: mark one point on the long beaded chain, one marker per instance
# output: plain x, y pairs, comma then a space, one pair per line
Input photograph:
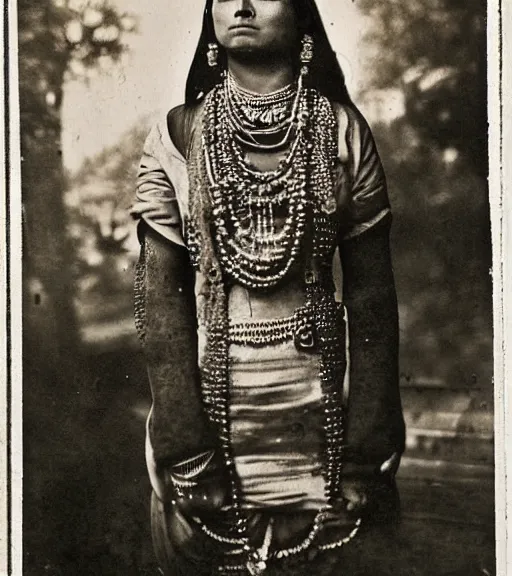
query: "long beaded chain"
261, 556
329, 327
215, 380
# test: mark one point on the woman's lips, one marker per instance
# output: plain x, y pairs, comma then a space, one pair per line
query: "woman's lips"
243, 27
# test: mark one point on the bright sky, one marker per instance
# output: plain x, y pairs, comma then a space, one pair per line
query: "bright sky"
152, 79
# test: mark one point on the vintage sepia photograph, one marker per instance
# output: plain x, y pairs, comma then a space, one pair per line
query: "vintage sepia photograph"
257, 289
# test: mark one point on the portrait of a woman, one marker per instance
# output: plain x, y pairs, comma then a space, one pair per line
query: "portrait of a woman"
266, 306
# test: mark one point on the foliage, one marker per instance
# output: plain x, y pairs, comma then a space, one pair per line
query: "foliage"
56, 38
442, 257
56, 511
435, 51
97, 202
59, 37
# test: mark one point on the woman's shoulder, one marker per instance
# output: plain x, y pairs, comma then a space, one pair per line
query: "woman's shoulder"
353, 129
348, 113
344, 116
181, 122
170, 134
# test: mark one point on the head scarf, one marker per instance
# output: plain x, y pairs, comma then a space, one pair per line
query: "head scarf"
325, 73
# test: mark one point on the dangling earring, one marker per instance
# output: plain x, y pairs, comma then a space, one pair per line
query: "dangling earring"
212, 55
306, 54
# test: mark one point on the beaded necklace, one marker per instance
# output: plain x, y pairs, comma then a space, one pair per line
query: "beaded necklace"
265, 112
250, 227
256, 119
254, 249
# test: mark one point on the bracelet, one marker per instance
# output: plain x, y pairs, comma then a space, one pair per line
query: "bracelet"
183, 475
194, 466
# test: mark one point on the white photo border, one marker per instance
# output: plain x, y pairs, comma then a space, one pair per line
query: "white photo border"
499, 35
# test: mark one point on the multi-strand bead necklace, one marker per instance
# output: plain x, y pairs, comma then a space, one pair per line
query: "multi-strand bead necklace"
259, 217
251, 246
254, 118
251, 227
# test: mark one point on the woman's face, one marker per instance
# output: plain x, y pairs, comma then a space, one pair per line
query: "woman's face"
255, 25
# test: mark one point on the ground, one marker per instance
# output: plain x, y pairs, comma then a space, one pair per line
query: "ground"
86, 503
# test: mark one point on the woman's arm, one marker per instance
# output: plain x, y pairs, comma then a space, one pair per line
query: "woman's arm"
178, 426
183, 463
180, 443
375, 426
374, 431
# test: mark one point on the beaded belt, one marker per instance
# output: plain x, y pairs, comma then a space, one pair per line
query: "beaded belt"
274, 331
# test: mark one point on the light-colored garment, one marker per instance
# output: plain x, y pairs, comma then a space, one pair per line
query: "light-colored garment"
361, 195
276, 411
276, 414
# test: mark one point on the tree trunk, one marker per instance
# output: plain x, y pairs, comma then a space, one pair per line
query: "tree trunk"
50, 327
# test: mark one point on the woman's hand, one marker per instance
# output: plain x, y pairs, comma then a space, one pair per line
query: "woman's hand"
361, 495
209, 495
355, 495
390, 466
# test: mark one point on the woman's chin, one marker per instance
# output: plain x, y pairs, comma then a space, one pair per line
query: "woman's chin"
249, 51
243, 44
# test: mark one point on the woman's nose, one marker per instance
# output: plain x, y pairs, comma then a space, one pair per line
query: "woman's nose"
245, 9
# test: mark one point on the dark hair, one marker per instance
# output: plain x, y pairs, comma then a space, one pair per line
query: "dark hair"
324, 72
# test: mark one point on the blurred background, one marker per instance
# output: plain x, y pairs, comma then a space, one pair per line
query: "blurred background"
94, 75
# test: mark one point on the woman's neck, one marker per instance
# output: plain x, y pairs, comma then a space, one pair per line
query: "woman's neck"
261, 78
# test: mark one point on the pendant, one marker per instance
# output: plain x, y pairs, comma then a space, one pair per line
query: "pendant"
329, 206
256, 568
257, 563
